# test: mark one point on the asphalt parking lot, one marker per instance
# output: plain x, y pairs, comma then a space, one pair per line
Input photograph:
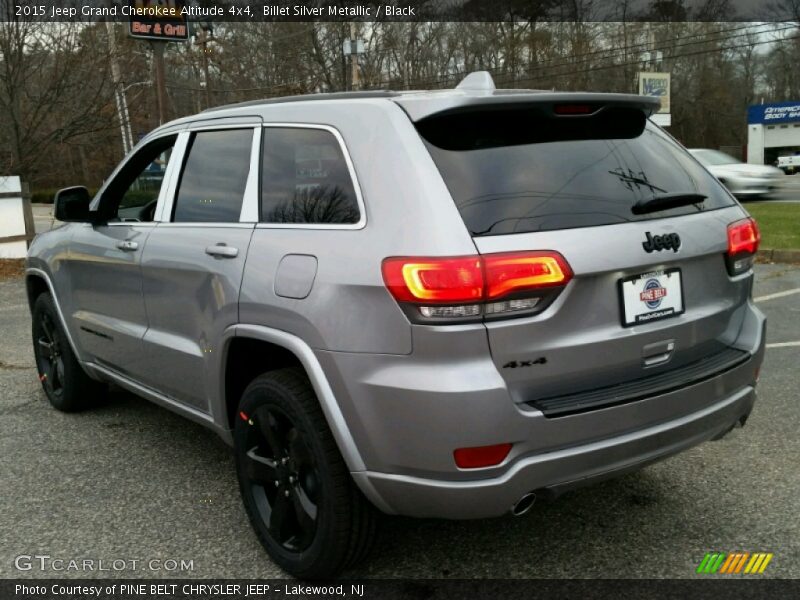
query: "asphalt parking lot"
133, 482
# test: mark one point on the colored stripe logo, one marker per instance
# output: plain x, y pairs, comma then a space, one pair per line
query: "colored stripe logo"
734, 563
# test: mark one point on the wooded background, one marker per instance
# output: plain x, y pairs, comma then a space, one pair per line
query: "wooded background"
59, 123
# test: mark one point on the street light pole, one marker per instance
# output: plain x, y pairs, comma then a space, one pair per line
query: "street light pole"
119, 92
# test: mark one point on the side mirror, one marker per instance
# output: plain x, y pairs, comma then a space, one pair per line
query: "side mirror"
72, 204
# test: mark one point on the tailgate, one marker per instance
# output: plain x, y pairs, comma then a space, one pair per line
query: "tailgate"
642, 225
581, 341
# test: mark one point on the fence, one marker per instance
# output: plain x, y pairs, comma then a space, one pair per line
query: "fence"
16, 218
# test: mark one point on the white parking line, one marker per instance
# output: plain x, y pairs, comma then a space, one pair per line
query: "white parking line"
777, 295
783, 345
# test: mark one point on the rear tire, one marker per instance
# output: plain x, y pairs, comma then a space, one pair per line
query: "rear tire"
68, 387
297, 491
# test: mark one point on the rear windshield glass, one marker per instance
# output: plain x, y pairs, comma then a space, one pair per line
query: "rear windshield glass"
522, 170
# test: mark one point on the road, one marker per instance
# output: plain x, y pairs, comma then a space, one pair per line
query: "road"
789, 191
131, 481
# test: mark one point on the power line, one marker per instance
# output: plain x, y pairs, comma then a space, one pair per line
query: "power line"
612, 56
616, 52
684, 55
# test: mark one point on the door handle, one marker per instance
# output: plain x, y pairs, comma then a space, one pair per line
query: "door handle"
222, 251
128, 246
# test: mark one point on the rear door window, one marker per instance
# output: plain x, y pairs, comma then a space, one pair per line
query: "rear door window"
212, 185
522, 170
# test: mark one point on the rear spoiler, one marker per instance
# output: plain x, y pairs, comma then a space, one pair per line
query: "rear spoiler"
571, 104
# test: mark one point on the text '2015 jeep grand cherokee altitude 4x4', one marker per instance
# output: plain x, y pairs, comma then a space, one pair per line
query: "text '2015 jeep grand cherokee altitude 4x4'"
435, 304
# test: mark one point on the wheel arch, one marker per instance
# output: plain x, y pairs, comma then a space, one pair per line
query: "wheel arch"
35, 285
286, 350
38, 282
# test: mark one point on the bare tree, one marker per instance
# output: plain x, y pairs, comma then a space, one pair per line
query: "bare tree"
54, 87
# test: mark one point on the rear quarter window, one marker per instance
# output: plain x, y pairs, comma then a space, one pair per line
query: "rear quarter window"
305, 178
522, 170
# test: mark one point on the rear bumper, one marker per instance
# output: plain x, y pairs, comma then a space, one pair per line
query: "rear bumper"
408, 414
555, 472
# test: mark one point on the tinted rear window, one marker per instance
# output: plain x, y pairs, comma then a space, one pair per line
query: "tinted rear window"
214, 178
522, 170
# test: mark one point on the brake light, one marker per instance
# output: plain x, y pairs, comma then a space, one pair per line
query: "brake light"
481, 456
508, 273
573, 109
471, 286
743, 236
743, 240
434, 280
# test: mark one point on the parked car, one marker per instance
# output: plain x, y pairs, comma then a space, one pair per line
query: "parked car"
435, 304
789, 164
744, 180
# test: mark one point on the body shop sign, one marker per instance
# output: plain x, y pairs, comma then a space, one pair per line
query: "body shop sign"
163, 20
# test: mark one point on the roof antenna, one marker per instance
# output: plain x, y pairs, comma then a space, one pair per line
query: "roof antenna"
479, 81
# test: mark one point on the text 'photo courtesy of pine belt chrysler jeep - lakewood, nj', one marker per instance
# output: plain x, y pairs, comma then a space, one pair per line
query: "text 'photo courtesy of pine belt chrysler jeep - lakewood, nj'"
442, 304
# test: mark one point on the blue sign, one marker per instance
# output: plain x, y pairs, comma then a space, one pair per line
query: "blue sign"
770, 114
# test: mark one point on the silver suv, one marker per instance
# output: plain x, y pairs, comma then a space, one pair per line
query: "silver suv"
435, 304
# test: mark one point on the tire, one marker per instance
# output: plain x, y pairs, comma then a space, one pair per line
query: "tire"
66, 384
290, 470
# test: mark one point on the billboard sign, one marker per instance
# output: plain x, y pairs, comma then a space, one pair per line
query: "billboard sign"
162, 20
658, 86
778, 112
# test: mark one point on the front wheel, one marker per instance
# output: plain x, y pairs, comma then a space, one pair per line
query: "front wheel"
66, 384
296, 489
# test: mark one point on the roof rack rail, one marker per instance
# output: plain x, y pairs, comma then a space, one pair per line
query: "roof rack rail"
308, 97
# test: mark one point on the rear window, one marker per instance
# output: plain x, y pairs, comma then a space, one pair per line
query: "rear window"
523, 170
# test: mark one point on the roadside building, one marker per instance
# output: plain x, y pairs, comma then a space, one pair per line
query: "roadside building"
773, 130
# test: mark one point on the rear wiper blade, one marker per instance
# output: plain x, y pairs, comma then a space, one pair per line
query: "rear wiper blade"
667, 201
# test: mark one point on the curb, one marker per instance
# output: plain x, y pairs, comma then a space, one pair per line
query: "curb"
779, 256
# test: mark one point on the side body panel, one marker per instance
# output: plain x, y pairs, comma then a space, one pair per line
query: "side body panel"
191, 297
408, 211
105, 283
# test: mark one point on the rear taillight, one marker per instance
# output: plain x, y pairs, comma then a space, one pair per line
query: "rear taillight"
743, 240
471, 287
434, 280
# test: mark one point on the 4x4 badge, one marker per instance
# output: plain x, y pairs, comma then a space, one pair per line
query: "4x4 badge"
661, 242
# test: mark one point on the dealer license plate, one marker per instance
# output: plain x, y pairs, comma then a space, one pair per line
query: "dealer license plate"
651, 297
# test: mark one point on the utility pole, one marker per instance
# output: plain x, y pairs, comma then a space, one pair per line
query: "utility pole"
354, 58
160, 80
202, 38
353, 47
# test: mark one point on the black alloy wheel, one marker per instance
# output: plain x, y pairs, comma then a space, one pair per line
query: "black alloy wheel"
49, 358
63, 379
282, 471
297, 491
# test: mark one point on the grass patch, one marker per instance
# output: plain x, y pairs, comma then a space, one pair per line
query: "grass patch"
779, 223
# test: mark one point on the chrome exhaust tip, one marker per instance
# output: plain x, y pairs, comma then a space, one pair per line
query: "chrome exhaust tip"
524, 504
